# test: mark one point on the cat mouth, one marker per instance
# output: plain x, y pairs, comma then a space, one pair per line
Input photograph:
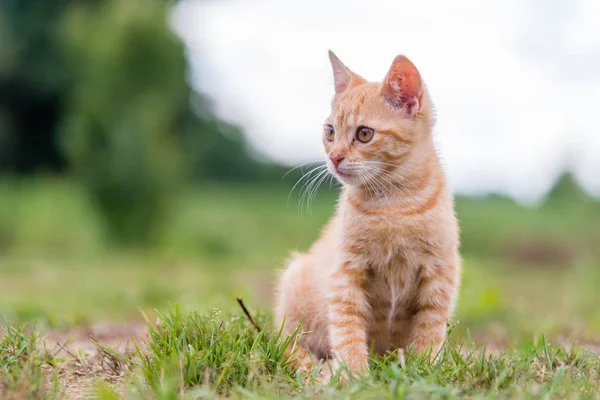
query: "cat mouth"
344, 174
341, 174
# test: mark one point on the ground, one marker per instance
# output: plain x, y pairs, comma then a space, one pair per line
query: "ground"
83, 318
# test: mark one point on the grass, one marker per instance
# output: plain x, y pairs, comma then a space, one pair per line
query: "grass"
528, 324
191, 355
226, 357
25, 368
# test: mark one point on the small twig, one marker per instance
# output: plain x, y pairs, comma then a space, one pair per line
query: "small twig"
69, 352
241, 303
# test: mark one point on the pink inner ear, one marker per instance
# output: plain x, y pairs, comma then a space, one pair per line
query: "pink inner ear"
402, 87
342, 76
341, 80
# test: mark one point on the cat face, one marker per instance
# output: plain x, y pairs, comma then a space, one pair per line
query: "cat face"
374, 128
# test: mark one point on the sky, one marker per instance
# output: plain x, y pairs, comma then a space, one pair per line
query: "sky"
516, 83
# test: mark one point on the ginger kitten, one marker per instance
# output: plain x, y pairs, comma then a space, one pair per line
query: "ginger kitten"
385, 272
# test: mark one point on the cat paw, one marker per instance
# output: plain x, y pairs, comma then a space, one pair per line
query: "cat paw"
401, 357
328, 370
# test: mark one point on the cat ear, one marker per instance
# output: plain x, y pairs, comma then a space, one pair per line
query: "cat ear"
342, 76
402, 88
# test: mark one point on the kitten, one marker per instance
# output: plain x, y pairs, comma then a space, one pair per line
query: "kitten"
385, 272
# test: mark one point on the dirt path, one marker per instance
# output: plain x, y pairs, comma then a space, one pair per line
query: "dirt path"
85, 362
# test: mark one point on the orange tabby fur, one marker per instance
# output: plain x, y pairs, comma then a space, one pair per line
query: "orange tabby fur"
385, 272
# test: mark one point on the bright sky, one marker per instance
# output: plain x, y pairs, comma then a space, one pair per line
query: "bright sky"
516, 83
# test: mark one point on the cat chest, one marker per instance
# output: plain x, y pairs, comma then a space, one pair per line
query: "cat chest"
388, 243
391, 294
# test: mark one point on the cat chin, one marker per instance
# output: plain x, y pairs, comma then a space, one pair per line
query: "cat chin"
343, 177
347, 179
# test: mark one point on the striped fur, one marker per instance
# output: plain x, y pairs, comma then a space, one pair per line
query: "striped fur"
385, 272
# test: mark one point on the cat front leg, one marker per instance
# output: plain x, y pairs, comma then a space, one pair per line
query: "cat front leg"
437, 287
348, 313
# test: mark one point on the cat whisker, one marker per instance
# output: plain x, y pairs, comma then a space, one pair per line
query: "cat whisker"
383, 182
317, 186
380, 185
365, 182
401, 179
305, 187
305, 177
309, 192
302, 165
308, 187
315, 190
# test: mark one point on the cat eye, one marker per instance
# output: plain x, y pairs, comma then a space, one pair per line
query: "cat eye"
364, 134
329, 133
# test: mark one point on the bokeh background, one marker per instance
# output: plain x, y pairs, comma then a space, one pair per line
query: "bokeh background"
144, 147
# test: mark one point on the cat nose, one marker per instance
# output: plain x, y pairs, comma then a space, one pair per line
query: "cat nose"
336, 160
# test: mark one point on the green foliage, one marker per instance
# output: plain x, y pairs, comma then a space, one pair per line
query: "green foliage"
33, 31
216, 150
224, 239
567, 189
103, 391
107, 68
33, 84
31, 214
98, 89
120, 131
24, 367
221, 353
194, 355
7, 48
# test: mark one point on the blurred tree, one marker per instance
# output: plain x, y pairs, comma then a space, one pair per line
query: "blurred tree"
32, 86
217, 150
566, 189
121, 123
98, 88
37, 79
7, 61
